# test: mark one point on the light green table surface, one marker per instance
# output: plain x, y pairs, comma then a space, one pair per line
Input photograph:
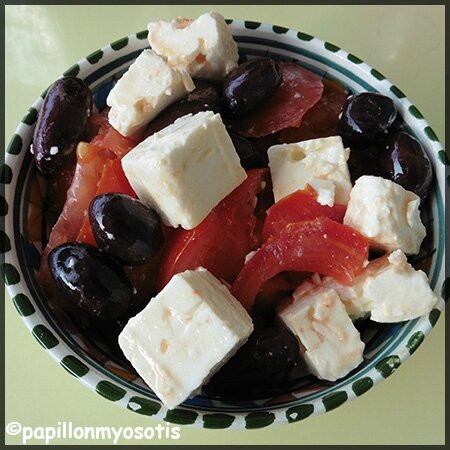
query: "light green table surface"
406, 43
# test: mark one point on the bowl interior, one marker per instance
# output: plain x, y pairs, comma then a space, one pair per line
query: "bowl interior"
95, 361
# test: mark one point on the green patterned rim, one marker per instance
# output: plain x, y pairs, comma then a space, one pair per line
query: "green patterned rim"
253, 38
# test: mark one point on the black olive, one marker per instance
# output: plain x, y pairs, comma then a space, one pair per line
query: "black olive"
366, 118
62, 123
125, 228
249, 156
263, 366
204, 98
96, 282
249, 84
363, 161
403, 160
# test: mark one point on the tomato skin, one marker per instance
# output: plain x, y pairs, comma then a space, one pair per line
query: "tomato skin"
320, 245
222, 240
296, 207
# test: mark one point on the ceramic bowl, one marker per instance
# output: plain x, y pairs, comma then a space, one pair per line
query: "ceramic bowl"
386, 347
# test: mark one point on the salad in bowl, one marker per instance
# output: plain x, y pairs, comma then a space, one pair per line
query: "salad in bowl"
225, 231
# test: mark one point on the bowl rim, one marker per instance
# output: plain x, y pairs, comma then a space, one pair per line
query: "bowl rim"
244, 31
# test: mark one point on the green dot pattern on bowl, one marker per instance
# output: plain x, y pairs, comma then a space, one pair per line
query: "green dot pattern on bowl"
280, 30
181, 416
15, 145
10, 274
397, 92
74, 366
5, 243
23, 305
415, 112
95, 57
445, 290
378, 75
217, 421
45, 337
142, 34
333, 400
354, 59
300, 412
304, 36
119, 44
414, 341
442, 155
109, 390
31, 117
434, 316
431, 134
388, 365
3, 206
259, 419
361, 386
5, 174
252, 25
331, 47
143, 406
71, 71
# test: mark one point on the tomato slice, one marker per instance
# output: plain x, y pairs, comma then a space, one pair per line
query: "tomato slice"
222, 240
299, 91
296, 207
320, 245
322, 119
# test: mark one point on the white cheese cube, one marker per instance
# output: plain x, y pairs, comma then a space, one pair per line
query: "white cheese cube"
386, 213
203, 47
397, 291
149, 85
321, 163
185, 334
186, 169
330, 343
355, 303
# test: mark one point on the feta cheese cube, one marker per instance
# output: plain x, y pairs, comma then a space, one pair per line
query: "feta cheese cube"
355, 303
185, 334
386, 213
389, 289
330, 343
149, 85
396, 291
186, 169
321, 163
203, 47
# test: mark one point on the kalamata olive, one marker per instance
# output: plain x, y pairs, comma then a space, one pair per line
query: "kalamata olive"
125, 228
249, 84
96, 282
61, 124
249, 156
263, 366
403, 160
204, 97
363, 161
366, 118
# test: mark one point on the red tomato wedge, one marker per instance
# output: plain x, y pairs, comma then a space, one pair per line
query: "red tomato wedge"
297, 207
321, 245
299, 91
221, 242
